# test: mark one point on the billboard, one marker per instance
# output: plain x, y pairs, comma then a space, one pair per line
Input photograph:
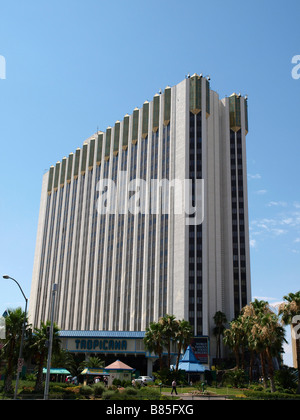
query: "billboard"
200, 347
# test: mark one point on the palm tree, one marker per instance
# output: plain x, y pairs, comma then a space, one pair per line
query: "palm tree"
169, 328
14, 323
248, 323
40, 350
220, 321
183, 336
252, 314
265, 335
154, 340
64, 359
272, 336
233, 339
93, 363
290, 311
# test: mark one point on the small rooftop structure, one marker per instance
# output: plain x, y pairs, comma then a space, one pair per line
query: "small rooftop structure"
120, 366
118, 370
190, 363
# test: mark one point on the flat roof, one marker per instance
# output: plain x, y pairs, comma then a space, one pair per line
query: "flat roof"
57, 371
101, 334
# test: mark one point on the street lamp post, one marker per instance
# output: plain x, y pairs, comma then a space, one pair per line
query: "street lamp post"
22, 337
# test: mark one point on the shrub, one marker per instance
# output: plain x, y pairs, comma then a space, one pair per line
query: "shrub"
166, 377
98, 390
286, 378
61, 385
127, 384
108, 395
117, 382
131, 391
31, 377
252, 395
57, 389
149, 394
134, 394
86, 390
235, 378
71, 392
124, 396
123, 383
27, 390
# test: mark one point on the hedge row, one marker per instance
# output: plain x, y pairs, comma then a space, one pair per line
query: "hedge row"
57, 391
259, 395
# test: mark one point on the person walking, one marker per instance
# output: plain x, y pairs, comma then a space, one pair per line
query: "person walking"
174, 387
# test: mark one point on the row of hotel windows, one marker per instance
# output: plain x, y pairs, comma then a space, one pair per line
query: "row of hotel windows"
195, 232
70, 240
238, 222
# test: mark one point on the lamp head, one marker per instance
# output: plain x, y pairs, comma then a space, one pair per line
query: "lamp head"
6, 276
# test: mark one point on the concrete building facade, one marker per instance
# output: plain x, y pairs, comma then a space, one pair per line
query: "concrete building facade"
127, 231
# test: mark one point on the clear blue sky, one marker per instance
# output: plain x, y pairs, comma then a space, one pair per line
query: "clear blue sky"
73, 66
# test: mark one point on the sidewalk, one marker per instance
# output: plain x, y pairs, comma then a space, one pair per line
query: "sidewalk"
192, 397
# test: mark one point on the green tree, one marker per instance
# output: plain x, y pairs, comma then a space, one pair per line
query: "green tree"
290, 312
40, 349
183, 336
93, 363
251, 315
161, 334
248, 323
235, 378
272, 337
64, 359
11, 345
220, 320
169, 329
234, 338
153, 340
265, 335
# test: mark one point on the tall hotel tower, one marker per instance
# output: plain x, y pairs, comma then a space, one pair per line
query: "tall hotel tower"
121, 270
